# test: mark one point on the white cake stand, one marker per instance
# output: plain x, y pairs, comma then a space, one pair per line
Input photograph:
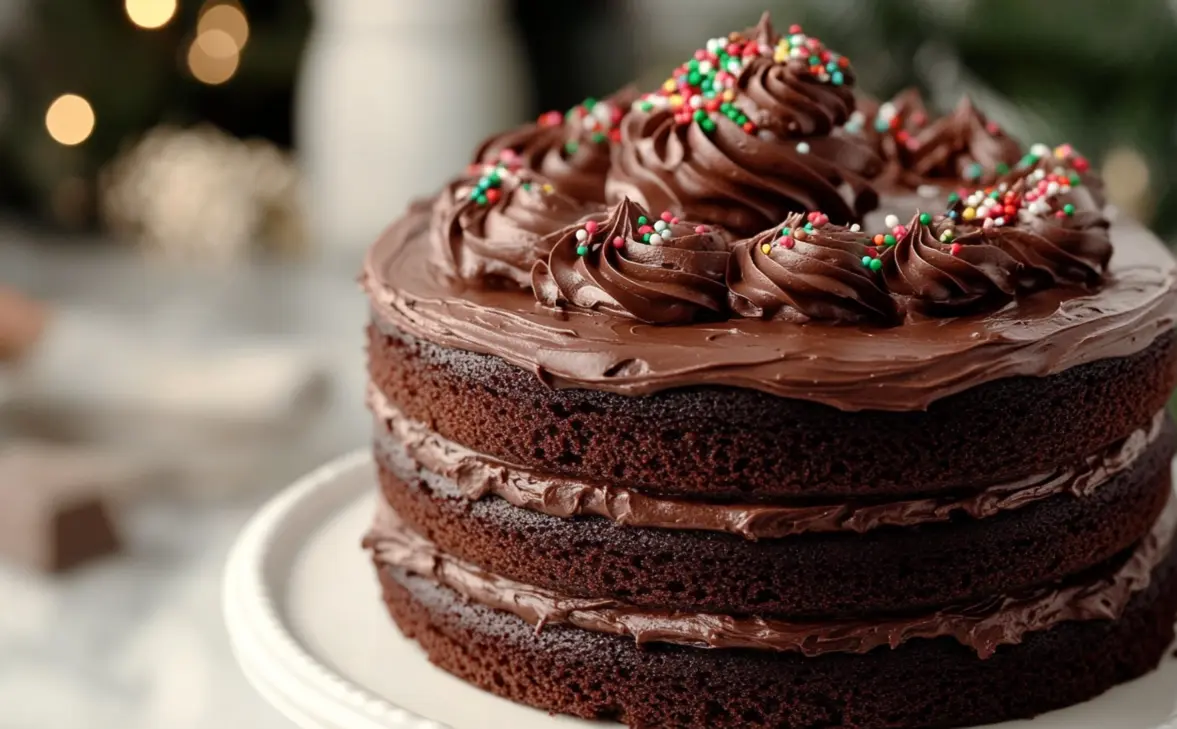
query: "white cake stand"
307, 625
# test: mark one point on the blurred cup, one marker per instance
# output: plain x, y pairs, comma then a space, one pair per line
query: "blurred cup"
393, 99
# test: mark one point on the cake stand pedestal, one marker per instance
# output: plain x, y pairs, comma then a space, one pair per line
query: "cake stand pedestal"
304, 614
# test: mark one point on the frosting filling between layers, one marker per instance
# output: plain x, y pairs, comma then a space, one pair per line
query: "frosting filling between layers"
983, 627
850, 367
407, 445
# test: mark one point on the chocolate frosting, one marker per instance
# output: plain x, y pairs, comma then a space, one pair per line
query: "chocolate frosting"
963, 146
795, 274
983, 627
948, 279
572, 149
850, 367
410, 446
495, 241
629, 263
756, 165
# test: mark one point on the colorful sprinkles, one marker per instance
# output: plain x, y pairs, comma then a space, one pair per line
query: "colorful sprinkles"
889, 120
651, 232
703, 89
488, 188
599, 121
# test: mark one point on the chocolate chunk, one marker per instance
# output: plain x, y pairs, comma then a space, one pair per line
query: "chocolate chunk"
55, 505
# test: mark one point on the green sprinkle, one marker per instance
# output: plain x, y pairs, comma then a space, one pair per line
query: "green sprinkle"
953, 198
700, 115
646, 237
866, 261
642, 220
809, 226
1068, 209
647, 106
571, 146
973, 171
925, 219
1002, 168
481, 199
889, 240
708, 125
694, 77
526, 186
1075, 179
875, 264
581, 250
1028, 160
599, 137
946, 236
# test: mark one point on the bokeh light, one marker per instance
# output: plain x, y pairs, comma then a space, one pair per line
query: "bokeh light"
228, 18
213, 57
70, 119
150, 14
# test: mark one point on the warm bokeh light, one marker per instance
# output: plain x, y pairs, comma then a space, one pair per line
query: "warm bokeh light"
217, 44
228, 18
70, 119
207, 67
150, 14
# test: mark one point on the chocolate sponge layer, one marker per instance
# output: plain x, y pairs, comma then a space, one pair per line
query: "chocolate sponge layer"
922, 684
820, 575
733, 443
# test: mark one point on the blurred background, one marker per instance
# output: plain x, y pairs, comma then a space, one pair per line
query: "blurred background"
186, 190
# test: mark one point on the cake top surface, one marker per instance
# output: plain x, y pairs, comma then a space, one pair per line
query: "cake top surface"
727, 229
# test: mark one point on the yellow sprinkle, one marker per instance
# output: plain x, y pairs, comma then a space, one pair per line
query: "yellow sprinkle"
548, 188
781, 55
765, 248
1059, 152
669, 85
675, 101
969, 214
729, 95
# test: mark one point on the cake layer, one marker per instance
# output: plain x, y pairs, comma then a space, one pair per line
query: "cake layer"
884, 570
741, 444
410, 446
984, 626
920, 684
851, 367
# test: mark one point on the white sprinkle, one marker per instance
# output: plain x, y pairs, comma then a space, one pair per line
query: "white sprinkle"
582, 235
660, 225
1052, 188
891, 221
705, 67
999, 221
855, 228
696, 102
928, 191
655, 240
803, 147
1040, 150
988, 223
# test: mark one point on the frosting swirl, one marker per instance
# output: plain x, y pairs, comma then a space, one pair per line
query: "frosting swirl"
727, 138
570, 149
802, 273
629, 263
941, 278
490, 229
963, 146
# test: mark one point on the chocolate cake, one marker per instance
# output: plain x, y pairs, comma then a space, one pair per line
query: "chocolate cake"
735, 404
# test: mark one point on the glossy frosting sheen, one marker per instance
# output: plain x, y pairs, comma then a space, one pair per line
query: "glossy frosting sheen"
408, 446
849, 366
983, 627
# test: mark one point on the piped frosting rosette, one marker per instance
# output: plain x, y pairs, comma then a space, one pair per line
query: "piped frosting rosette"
571, 149
489, 227
741, 135
809, 269
630, 263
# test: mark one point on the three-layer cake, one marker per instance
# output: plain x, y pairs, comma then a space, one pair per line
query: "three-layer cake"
824, 418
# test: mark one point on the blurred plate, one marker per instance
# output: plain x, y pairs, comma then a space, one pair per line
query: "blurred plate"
304, 614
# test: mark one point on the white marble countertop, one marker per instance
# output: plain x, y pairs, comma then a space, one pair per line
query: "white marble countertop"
137, 641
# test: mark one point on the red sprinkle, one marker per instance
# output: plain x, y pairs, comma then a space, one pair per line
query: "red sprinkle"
992, 128
551, 119
618, 242
700, 229
787, 242
794, 29
591, 227
645, 229
955, 249
749, 127
492, 195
